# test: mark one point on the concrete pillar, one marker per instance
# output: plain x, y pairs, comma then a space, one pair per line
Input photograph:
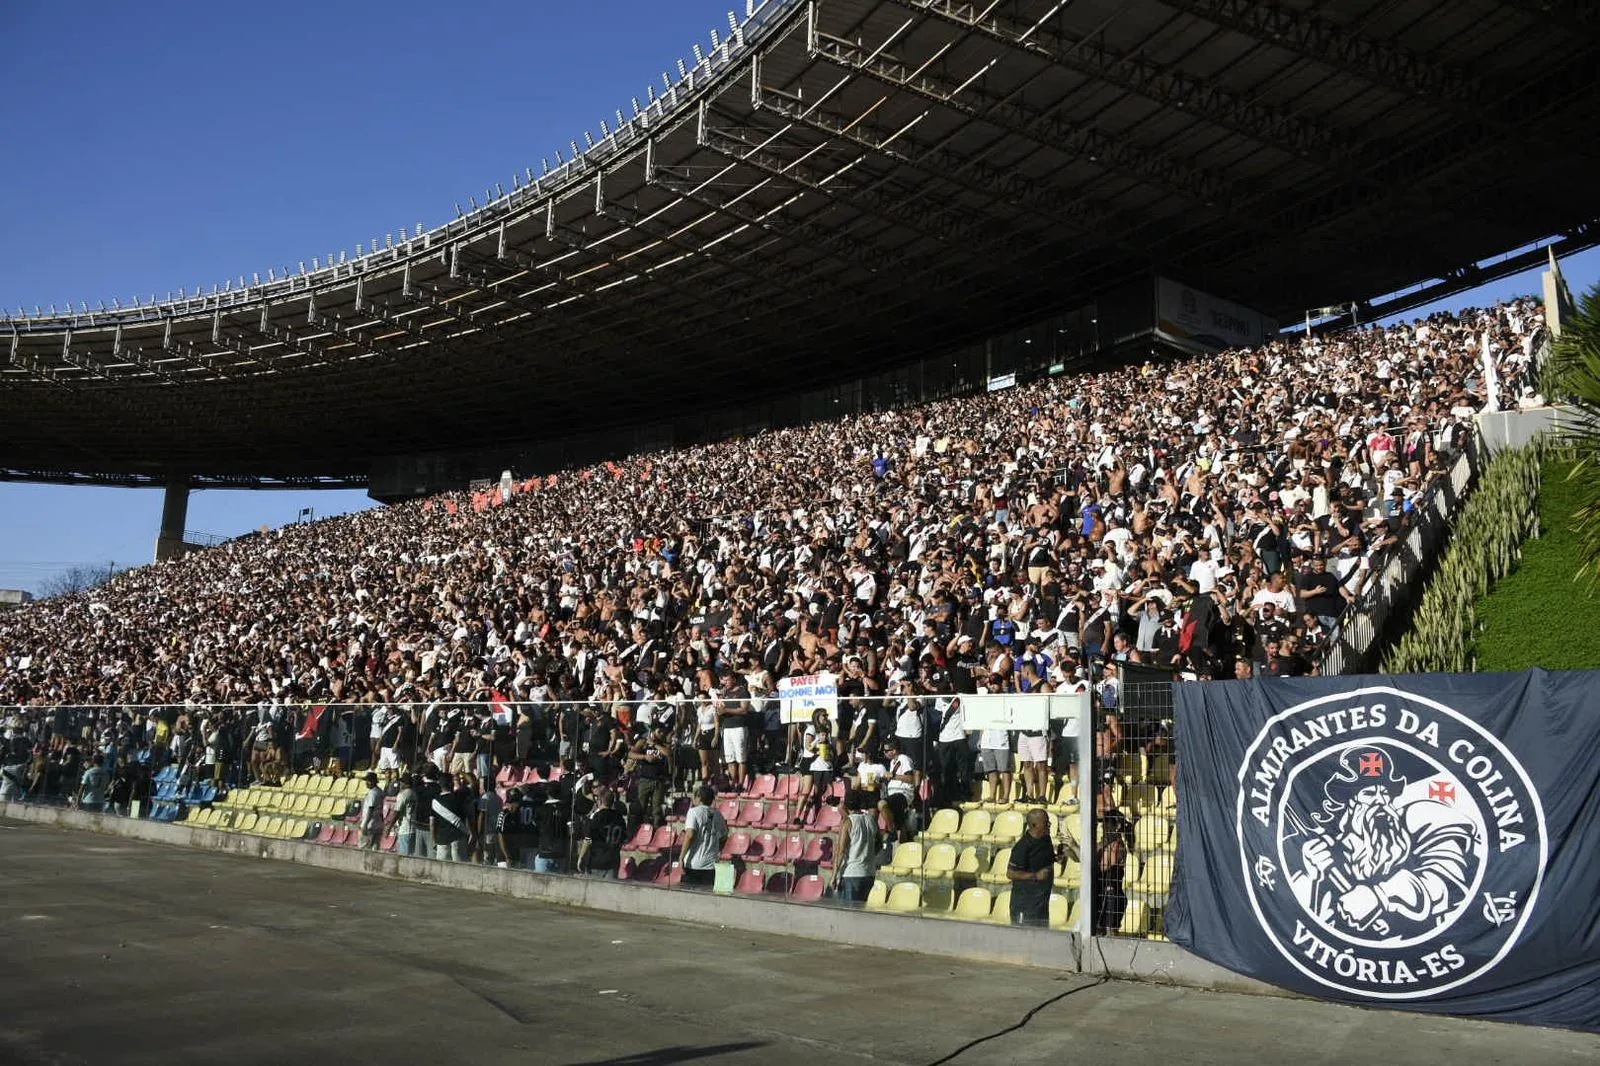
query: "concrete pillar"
174, 513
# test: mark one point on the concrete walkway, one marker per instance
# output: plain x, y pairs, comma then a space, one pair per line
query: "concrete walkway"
118, 951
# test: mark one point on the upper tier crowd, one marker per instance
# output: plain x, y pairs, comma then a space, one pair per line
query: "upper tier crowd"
1215, 514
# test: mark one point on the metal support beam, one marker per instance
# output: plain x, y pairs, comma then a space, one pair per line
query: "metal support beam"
1082, 142
1132, 72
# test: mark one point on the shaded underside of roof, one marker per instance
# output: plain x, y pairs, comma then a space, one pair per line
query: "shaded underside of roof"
861, 183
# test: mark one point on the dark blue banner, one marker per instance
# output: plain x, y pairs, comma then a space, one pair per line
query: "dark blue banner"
1429, 842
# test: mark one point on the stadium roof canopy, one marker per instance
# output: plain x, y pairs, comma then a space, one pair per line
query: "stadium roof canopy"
841, 184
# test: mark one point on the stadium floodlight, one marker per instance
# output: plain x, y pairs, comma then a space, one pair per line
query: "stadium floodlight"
271, 275
499, 193
683, 71
472, 201
666, 82
302, 266
544, 166
402, 233
588, 139
388, 240
316, 264
574, 146
699, 56
716, 42
605, 131
255, 277
635, 102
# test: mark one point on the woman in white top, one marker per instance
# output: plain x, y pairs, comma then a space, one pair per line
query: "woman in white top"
818, 748
705, 736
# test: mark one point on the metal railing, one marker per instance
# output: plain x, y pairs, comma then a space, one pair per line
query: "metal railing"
932, 827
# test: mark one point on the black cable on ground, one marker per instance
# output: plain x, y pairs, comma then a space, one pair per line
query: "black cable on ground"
1026, 1018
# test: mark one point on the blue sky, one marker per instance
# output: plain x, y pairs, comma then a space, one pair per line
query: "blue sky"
161, 145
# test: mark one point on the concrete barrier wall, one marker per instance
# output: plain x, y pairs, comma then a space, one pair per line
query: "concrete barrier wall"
1147, 960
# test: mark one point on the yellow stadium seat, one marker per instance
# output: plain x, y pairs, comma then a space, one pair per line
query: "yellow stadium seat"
320, 785
1136, 919
975, 825
939, 860
224, 821
1000, 913
1060, 911
1132, 869
294, 830
907, 859
291, 783
905, 898
331, 807
878, 896
943, 824
970, 865
354, 788
996, 874
1069, 874
1068, 795
985, 794
1007, 828
271, 827
974, 905
1168, 802
1152, 832
247, 824
1155, 878
301, 802
1141, 797
937, 900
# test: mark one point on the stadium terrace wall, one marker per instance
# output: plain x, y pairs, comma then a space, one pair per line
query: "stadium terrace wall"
1067, 952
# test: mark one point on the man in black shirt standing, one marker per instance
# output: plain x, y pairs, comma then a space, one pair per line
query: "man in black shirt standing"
601, 849
1032, 871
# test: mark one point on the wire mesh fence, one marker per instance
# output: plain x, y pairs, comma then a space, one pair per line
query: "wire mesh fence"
973, 807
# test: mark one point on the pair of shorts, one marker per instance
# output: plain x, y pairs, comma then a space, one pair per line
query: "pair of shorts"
461, 763
705, 741
994, 760
389, 759
733, 745
1033, 749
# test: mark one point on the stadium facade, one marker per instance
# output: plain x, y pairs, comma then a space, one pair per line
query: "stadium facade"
923, 189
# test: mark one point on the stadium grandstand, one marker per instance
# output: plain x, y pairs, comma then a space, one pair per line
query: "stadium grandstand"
997, 439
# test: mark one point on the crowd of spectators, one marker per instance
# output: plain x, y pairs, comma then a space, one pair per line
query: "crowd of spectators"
1212, 515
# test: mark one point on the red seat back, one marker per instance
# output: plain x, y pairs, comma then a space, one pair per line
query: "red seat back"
808, 888
750, 883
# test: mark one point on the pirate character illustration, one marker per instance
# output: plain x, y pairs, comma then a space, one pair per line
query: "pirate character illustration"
1377, 863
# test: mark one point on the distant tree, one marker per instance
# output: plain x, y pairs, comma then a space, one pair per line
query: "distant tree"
78, 579
1576, 365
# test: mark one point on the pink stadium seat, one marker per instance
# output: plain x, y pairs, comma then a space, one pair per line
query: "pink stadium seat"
777, 815
747, 813
642, 839
389, 842
627, 870
750, 883
507, 776
792, 849
672, 874
763, 848
788, 787
554, 774
327, 833
730, 811
664, 840
836, 791
820, 851
828, 819
764, 784
738, 843
808, 888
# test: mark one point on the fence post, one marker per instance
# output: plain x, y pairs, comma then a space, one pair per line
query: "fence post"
1088, 855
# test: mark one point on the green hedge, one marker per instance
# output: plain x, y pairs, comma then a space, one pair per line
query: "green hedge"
1485, 545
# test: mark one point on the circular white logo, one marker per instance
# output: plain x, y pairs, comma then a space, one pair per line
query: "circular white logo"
1392, 848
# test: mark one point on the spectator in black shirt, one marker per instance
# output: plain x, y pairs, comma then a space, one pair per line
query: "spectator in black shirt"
510, 829
604, 832
550, 821
1031, 871
449, 819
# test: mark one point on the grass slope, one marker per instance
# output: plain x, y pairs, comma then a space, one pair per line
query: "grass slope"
1540, 616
